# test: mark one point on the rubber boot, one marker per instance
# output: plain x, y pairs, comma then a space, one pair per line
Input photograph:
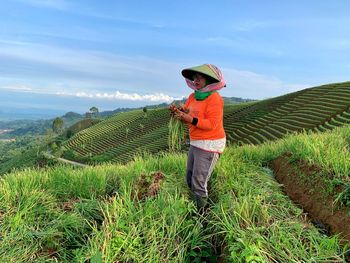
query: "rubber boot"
191, 195
201, 203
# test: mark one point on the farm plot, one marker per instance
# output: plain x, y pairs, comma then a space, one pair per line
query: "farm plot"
318, 108
120, 137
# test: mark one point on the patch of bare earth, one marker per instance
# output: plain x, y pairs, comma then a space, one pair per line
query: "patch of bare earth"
301, 182
69, 205
148, 187
50, 253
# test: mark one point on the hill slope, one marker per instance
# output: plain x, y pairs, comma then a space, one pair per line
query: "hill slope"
141, 212
123, 135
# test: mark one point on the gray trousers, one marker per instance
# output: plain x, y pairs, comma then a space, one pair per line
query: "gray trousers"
200, 165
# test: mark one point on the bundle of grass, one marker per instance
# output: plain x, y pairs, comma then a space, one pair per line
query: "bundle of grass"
176, 129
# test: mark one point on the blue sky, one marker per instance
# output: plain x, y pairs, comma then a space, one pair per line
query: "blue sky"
128, 53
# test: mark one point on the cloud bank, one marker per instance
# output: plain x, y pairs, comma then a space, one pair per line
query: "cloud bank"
157, 97
93, 74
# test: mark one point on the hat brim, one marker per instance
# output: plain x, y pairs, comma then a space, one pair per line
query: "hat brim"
188, 73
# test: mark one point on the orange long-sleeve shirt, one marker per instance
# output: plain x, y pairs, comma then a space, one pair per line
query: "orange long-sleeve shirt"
209, 113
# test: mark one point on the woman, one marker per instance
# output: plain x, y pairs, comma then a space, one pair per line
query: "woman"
203, 112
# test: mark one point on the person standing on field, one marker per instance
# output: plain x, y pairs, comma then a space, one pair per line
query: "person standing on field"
203, 112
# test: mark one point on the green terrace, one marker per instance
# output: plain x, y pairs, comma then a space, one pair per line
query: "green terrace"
123, 135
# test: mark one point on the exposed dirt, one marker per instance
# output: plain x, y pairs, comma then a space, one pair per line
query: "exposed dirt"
50, 253
148, 187
69, 205
301, 183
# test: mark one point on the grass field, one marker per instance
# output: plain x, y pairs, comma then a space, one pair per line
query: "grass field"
140, 212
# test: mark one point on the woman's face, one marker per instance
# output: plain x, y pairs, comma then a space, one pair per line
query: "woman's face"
199, 81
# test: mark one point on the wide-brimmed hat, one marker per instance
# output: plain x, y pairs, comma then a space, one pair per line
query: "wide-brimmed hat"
205, 69
215, 79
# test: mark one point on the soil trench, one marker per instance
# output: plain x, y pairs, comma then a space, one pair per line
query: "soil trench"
308, 192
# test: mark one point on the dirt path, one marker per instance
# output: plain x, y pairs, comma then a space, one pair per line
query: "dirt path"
62, 160
309, 192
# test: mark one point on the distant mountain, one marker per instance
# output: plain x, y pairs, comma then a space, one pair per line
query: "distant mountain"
12, 114
72, 116
230, 100
36, 127
236, 100
109, 113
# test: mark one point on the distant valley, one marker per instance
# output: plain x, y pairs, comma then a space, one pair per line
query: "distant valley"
4, 132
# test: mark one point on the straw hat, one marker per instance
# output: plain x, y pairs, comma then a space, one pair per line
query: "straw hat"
209, 70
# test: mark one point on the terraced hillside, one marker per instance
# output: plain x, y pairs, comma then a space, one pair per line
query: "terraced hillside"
143, 212
319, 109
123, 135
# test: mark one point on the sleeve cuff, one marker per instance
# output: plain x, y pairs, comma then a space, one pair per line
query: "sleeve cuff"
194, 121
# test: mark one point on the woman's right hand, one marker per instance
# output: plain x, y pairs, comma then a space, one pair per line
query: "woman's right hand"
172, 108
183, 116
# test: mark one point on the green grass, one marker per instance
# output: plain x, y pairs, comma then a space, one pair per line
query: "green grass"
49, 212
176, 134
76, 215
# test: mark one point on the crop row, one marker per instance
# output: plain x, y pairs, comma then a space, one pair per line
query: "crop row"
133, 130
117, 121
311, 108
151, 143
110, 138
124, 135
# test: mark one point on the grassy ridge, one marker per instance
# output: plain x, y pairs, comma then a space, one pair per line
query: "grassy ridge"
256, 218
120, 137
95, 214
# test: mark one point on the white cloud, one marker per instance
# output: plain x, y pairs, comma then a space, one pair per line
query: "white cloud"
89, 69
251, 85
156, 97
20, 88
87, 73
